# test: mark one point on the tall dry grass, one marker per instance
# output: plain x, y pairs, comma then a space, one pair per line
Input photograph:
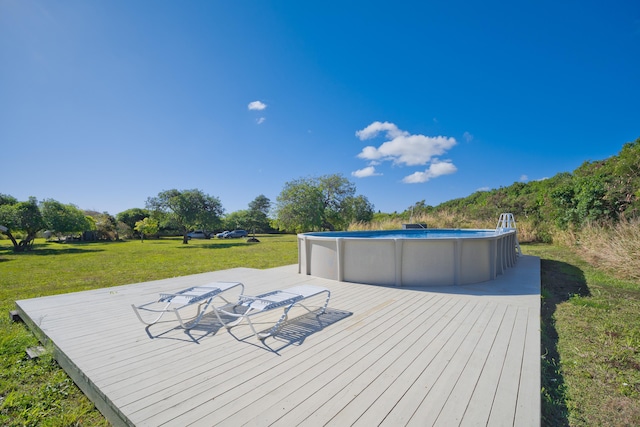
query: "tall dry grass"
615, 248
445, 219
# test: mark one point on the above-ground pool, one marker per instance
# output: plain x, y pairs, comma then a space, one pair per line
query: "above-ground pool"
428, 257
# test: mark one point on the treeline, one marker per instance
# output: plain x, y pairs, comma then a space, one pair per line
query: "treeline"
327, 202
600, 192
171, 212
22, 221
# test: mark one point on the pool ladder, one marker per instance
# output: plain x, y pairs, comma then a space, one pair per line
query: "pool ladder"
505, 222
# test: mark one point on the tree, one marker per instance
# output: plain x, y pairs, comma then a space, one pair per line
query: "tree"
146, 226
190, 209
131, 216
236, 220
324, 203
336, 190
358, 209
253, 219
258, 214
6, 199
63, 219
105, 225
299, 206
418, 209
626, 186
20, 217
260, 204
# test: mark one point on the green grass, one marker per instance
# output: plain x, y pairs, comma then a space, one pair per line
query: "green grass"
590, 343
590, 324
38, 392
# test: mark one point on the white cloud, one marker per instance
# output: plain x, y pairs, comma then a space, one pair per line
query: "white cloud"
366, 172
436, 169
409, 150
483, 189
257, 105
524, 178
402, 147
261, 120
375, 128
467, 136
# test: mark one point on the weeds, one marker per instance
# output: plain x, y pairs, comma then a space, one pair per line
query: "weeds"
615, 248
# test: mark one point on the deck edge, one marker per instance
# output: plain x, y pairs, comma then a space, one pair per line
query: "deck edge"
90, 390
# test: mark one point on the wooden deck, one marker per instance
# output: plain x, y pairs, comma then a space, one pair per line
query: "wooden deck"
465, 355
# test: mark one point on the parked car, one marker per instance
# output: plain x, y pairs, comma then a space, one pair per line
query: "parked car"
236, 234
222, 235
198, 234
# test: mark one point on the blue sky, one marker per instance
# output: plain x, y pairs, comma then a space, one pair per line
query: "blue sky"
106, 103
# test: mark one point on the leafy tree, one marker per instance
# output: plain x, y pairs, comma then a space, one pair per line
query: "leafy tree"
260, 204
418, 209
324, 203
20, 217
146, 226
6, 199
63, 219
357, 209
237, 220
258, 214
131, 216
253, 219
626, 183
190, 209
591, 200
105, 225
336, 190
300, 206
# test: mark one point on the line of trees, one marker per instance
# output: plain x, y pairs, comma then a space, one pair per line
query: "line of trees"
21, 221
187, 210
309, 204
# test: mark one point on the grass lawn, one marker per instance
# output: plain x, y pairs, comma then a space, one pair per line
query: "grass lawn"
590, 324
590, 343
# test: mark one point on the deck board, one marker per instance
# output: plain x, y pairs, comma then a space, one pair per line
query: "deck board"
461, 355
354, 359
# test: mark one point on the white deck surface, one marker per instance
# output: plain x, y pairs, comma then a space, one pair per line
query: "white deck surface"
464, 355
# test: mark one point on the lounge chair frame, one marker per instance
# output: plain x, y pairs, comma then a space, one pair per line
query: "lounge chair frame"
253, 305
203, 295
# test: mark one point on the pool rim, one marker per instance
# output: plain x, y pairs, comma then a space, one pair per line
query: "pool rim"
360, 234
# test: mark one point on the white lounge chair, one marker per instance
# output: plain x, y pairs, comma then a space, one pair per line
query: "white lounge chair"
249, 306
202, 295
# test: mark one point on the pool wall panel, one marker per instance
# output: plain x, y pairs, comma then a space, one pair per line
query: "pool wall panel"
475, 261
361, 262
428, 265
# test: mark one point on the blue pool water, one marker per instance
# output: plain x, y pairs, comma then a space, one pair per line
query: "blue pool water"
433, 233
